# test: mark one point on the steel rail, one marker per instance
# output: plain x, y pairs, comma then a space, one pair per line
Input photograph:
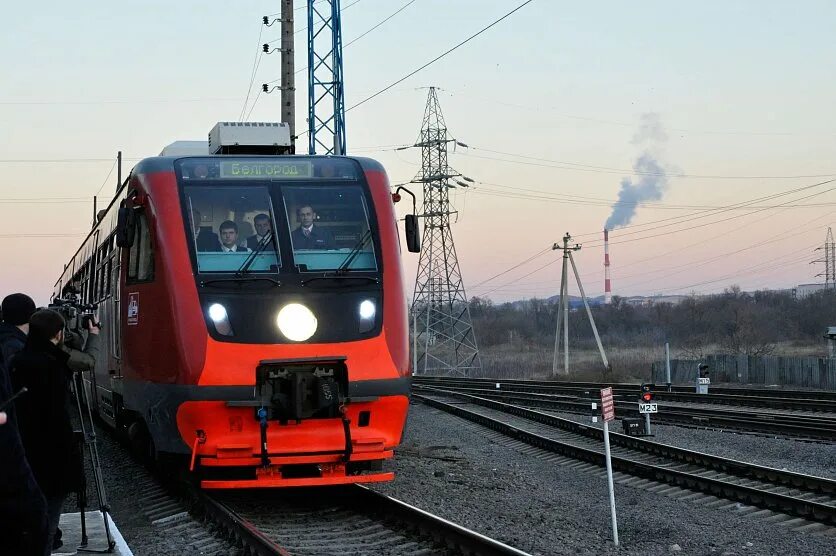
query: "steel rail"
809, 509
361, 500
772, 402
812, 427
452, 535
254, 540
807, 395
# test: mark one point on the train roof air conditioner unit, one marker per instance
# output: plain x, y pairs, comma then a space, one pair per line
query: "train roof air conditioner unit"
250, 138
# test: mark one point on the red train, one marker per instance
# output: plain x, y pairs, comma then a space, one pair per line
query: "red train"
255, 313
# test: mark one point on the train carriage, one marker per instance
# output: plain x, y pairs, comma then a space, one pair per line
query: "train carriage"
254, 310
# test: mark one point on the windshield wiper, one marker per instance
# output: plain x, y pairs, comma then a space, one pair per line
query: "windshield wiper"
340, 277
343, 268
240, 280
245, 267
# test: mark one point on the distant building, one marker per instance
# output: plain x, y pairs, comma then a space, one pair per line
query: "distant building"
805, 290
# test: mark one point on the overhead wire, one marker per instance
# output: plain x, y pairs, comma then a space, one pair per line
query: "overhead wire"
440, 56
253, 72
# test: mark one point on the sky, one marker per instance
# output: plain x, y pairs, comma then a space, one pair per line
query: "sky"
550, 101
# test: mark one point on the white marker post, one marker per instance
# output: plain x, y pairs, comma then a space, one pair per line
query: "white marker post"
608, 413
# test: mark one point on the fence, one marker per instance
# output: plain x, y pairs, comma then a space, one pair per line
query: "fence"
806, 372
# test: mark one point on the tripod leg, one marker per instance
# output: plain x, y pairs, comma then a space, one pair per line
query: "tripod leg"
89, 432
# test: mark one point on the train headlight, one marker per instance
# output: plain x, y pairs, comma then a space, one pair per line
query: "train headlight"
367, 309
217, 313
296, 322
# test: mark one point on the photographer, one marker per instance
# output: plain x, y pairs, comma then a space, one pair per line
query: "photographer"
43, 414
82, 353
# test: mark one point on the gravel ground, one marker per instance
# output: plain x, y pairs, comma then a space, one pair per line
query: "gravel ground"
449, 467
811, 458
123, 478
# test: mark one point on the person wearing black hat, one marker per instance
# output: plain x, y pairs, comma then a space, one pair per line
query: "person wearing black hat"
23, 510
43, 416
17, 308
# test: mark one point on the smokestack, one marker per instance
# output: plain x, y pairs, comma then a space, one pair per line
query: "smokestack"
607, 283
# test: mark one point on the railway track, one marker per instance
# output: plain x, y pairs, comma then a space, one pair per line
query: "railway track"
352, 520
799, 400
800, 501
818, 426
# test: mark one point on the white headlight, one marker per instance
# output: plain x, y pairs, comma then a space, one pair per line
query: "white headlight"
217, 312
367, 309
296, 322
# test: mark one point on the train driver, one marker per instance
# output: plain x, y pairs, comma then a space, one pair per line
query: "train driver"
229, 238
263, 228
307, 235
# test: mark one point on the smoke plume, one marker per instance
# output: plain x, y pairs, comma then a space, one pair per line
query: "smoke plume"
650, 177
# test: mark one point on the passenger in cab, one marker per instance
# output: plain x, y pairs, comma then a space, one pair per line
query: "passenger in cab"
205, 239
263, 229
229, 238
307, 235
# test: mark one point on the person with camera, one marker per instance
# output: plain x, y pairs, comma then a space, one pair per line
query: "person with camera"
43, 367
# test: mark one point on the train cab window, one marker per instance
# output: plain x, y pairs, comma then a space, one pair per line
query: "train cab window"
329, 228
141, 254
231, 229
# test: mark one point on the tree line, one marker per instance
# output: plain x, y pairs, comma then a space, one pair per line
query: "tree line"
734, 322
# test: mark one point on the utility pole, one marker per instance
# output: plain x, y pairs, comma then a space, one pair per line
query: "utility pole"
563, 307
288, 70
440, 305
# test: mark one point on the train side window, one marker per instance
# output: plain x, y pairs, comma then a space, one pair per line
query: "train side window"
141, 255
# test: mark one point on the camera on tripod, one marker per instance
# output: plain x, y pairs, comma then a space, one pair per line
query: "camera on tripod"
77, 315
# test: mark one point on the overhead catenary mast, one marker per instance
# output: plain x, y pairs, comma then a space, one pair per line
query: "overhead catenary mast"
444, 337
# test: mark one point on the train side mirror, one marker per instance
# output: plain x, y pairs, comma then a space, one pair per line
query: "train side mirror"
413, 233
125, 227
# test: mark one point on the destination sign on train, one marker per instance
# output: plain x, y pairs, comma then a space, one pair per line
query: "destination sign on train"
266, 169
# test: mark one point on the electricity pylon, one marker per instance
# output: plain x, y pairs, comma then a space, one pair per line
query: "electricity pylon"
444, 337
829, 261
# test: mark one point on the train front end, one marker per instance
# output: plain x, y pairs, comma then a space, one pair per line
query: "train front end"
301, 375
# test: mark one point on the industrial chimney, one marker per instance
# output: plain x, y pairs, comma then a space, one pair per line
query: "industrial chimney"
607, 283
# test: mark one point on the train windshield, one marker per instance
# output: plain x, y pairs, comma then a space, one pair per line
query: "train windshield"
232, 229
250, 215
329, 228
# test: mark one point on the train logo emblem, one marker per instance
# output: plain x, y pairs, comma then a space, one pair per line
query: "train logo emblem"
133, 309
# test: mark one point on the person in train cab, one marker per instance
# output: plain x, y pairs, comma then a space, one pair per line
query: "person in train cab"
205, 240
308, 235
43, 413
263, 228
229, 238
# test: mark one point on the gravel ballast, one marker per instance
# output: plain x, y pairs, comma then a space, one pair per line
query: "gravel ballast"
450, 467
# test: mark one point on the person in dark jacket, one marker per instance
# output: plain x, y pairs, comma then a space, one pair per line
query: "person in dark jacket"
17, 308
308, 235
23, 521
43, 415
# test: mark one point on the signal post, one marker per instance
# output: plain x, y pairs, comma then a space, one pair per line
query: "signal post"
608, 414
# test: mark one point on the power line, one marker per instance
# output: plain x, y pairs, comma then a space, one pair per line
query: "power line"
256, 62
594, 244
577, 167
107, 178
440, 56
539, 108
